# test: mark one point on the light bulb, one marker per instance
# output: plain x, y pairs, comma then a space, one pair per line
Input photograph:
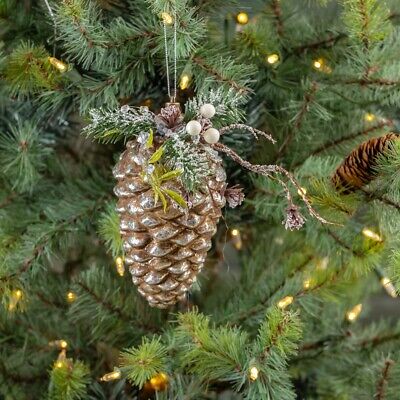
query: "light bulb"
369, 117
71, 297
159, 382
371, 235
389, 287
242, 18
253, 374
285, 302
111, 376
167, 18
119, 264
353, 314
184, 81
272, 58
60, 65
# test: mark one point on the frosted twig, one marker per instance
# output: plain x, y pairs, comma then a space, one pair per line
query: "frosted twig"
268, 170
253, 131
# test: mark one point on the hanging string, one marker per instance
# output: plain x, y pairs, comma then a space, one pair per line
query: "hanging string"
172, 94
53, 17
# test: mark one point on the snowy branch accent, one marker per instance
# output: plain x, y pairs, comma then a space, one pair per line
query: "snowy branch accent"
294, 219
255, 132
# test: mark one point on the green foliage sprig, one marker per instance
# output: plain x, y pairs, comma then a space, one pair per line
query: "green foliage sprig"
68, 380
126, 122
28, 70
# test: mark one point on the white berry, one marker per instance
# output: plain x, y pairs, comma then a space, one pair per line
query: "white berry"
193, 128
207, 110
211, 135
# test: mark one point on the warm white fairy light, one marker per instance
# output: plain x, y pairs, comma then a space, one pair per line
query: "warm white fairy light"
60, 65
308, 283
71, 297
111, 376
320, 65
242, 18
253, 373
272, 58
322, 263
369, 117
285, 302
60, 344
61, 359
16, 296
119, 264
353, 314
184, 81
370, 234
167, 18
302, 191
235, 232
389, 287
236, 238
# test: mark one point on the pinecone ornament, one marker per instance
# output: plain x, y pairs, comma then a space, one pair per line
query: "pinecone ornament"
165, 249
171, 187
358, 168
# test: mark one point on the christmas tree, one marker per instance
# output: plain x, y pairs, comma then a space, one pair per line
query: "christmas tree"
238, 161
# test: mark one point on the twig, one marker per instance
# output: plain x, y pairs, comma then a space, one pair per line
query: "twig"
267, 171
380, 390
115, 310
261, 304
381, 198
307, 100
255, 132
276, 9
364, 132
201, 63
368, 82
324, 43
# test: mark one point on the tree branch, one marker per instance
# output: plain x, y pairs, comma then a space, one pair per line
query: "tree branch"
380, 390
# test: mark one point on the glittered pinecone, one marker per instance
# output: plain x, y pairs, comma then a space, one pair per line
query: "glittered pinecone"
358, 168
165, 250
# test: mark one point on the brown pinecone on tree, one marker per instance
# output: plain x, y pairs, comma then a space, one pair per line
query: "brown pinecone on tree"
358, 168
165, 249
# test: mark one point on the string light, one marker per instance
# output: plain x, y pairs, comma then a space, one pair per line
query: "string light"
184, 81
235, 232
71, 297
119, 263
389, 287
285, 302
61, 344
318, 63
253, 374
236, 239
302, 191
16, 296
159, 382
272, 58
60, 65
369, 117
371, 235
321, 65
308, 283
242, 18
353, 314
322, 263
167, 18
111, 376
61, 359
